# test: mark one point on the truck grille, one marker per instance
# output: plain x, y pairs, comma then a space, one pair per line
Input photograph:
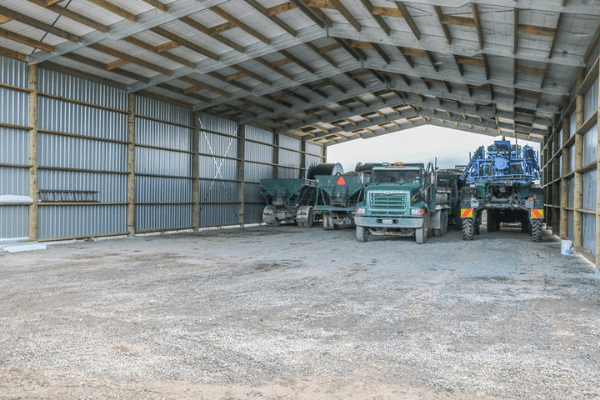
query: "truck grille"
392, 201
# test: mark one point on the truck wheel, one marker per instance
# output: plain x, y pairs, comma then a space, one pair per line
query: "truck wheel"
526, 226
437, 232
422, 233
311, 219
477, 226
467, 229
444, 222
276, 223
536, 230
361, 234
326, 222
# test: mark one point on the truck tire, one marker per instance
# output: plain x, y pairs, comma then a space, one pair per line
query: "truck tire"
361, 234
444, 222
477, 226
467, 228
327, 222
536, 230
275, 223
422, 233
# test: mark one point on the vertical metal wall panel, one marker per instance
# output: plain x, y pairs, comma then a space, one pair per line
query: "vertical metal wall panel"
253, 193
218, 124
162, 162
590, 103
14, 107
288, 173
572, 124
83, 220
256, 172
14, 181
590, 145
219, 214
560, 183
166, 216
13, 222
154, 133
218, 145
570, 192
63, 116
111, 188
70, 152
590, 179
290, 143
76, 88
14, 72
259, 152
572, 158
14, 146
589, 232
314, 148
217, 168
152, 189
595, 53
570, 225
219, 192
289, 158
261, 135
162, 110
560, 163
253, 213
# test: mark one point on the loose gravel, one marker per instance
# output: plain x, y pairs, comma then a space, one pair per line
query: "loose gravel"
300, 313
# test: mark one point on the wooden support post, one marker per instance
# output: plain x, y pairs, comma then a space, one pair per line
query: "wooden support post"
543, 161
33, 152
564, 189
241, 155
303, 166
196, 172
324, 154
276, 156
131, 164
556, 188
578, 204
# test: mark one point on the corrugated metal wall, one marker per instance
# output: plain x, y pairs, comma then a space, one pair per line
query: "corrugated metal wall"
163, 165
82, 135
83, 146
14, 146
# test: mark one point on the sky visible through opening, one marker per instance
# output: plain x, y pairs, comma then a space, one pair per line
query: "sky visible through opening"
421, 144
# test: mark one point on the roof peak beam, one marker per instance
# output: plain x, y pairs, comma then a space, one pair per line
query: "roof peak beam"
125, 28
428, 102
584, 8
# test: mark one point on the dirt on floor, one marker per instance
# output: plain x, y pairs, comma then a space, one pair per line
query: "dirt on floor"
294, 313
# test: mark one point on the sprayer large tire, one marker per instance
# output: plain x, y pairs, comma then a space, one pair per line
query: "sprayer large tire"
324, 169
536, 230
477, 226
444, 222
491, 224
467, 229
361, 234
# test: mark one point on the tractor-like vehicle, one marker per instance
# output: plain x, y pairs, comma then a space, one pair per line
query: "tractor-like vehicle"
504, 182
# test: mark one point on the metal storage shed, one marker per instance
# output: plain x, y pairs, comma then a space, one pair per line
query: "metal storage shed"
142, 115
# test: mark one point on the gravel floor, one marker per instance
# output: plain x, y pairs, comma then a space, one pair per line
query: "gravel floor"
295, 313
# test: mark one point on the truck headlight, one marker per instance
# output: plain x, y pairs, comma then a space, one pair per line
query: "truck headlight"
416, 211
360, 210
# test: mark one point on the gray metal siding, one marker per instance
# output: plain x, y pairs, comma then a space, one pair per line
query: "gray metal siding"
111, 188
13, 221
314, 148
72, 87
590, 102
256, 172
289, 142
589, 232
572, 124
590, 145
219, 214
590, 190
260, 135
14, 146
151, 189
253, 213
166, 216
62, 116
570, 193
161, 134
81, 220
164, 111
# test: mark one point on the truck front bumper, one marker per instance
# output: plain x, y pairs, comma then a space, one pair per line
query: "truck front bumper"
389, 222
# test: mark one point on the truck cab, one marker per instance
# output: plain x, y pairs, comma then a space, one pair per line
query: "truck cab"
401, 200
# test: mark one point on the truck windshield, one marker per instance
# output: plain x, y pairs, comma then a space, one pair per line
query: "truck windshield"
395, 177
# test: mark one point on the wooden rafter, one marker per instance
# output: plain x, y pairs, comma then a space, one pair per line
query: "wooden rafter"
275, 68
157, 4
157, 50
15, 37
478, 26
114, 9
272, 16
225, 15
185, 42
38, 24
198, 26
125, 56
297, 61
322, 55
247, 72
409, 20
199, 85
536, 30
280, 9
344, 11
440, 16
516, 31
102, 66
377, 17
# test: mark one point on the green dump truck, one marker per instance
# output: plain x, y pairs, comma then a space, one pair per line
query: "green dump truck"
293, 200
403, 200
337, 197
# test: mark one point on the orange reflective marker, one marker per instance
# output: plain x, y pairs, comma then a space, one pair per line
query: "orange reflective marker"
537, 214
466, 213
341, 181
